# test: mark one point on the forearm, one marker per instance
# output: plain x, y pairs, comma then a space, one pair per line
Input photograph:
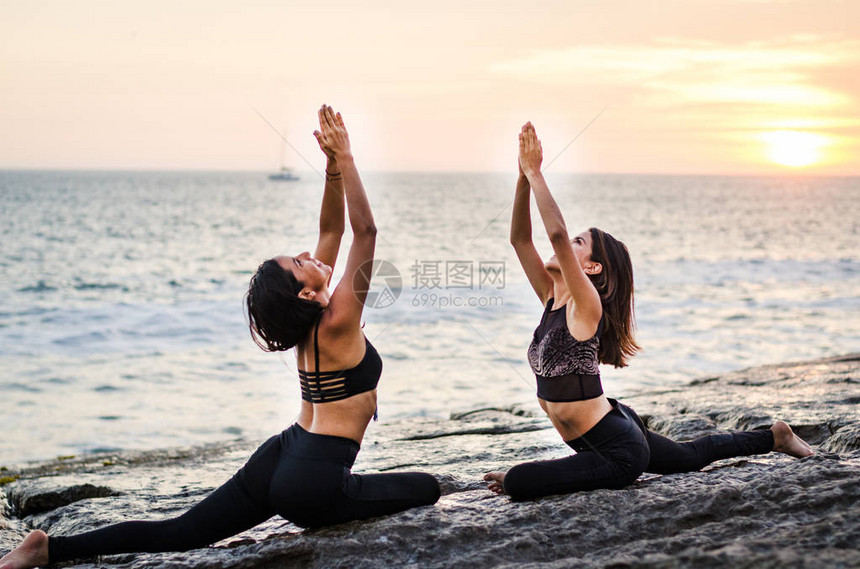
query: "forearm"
360, 214
332, 210
521, 222
549, 211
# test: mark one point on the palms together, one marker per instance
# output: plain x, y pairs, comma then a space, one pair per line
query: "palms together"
332, 136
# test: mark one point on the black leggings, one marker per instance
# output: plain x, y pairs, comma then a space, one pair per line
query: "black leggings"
619, 448
302, 476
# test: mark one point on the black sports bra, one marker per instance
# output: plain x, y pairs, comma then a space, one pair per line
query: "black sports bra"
566, 369
326, 386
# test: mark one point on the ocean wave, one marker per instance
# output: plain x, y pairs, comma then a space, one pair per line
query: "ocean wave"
41, 286
100, 286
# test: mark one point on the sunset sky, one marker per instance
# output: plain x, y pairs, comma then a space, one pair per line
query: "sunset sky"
688, 86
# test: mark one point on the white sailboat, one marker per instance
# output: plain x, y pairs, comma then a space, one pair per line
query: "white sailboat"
286, 174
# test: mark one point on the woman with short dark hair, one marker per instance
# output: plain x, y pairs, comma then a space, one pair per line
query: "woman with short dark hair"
304, 473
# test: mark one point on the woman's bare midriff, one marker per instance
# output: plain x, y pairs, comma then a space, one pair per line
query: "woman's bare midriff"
572, 419
345, 418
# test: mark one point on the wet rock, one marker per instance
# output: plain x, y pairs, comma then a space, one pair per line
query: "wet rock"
488, 421
11, 534
12, 531
845, 439
34, 498
682, 426
751, 512
450, 484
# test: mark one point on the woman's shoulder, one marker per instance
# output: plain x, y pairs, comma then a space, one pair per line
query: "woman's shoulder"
338, 344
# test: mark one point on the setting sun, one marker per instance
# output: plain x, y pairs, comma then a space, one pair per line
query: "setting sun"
794, 148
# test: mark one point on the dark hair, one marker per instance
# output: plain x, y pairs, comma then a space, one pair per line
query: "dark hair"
278, 318
615, 286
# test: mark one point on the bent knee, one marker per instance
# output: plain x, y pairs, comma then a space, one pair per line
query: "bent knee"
626, 478
518, 484
632, 471
429, 490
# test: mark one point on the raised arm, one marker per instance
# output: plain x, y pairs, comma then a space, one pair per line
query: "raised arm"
585, 297
521, 239
347, 300
332, 210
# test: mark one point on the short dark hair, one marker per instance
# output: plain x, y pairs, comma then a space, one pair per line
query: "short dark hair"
277, 317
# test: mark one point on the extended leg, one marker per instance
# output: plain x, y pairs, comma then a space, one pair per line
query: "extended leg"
232, 508
586, 470
669, 457
372, 495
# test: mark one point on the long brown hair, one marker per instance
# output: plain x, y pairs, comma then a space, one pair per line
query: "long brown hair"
615, 286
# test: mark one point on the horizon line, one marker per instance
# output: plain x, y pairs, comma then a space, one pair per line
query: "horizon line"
785, 174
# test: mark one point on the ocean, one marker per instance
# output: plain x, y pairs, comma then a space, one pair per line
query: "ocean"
121, 293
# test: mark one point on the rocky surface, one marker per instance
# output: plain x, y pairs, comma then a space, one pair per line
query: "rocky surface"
764, 511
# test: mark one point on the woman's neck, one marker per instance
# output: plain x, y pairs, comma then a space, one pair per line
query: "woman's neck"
323, 296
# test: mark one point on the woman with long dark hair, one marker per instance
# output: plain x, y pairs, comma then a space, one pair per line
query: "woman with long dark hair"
586, 288
303, 473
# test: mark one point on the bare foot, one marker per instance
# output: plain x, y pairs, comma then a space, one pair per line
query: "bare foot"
784, 440
32, 552
495, 479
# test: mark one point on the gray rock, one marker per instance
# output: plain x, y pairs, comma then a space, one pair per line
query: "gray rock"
12, 531
37, 497
845, 439
764, 511
681, 427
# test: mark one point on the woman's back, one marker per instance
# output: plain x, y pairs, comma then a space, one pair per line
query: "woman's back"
338, 373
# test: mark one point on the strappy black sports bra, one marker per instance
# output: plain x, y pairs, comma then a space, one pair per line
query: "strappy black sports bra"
566, 368
326, 386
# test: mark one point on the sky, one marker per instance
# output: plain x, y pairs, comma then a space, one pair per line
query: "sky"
735, 87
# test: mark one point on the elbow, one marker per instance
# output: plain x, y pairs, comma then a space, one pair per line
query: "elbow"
558, 236
367, 230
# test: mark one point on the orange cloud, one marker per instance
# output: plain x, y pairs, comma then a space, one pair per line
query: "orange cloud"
780, 73
722, 96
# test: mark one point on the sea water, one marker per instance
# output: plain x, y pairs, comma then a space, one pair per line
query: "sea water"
121, 294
